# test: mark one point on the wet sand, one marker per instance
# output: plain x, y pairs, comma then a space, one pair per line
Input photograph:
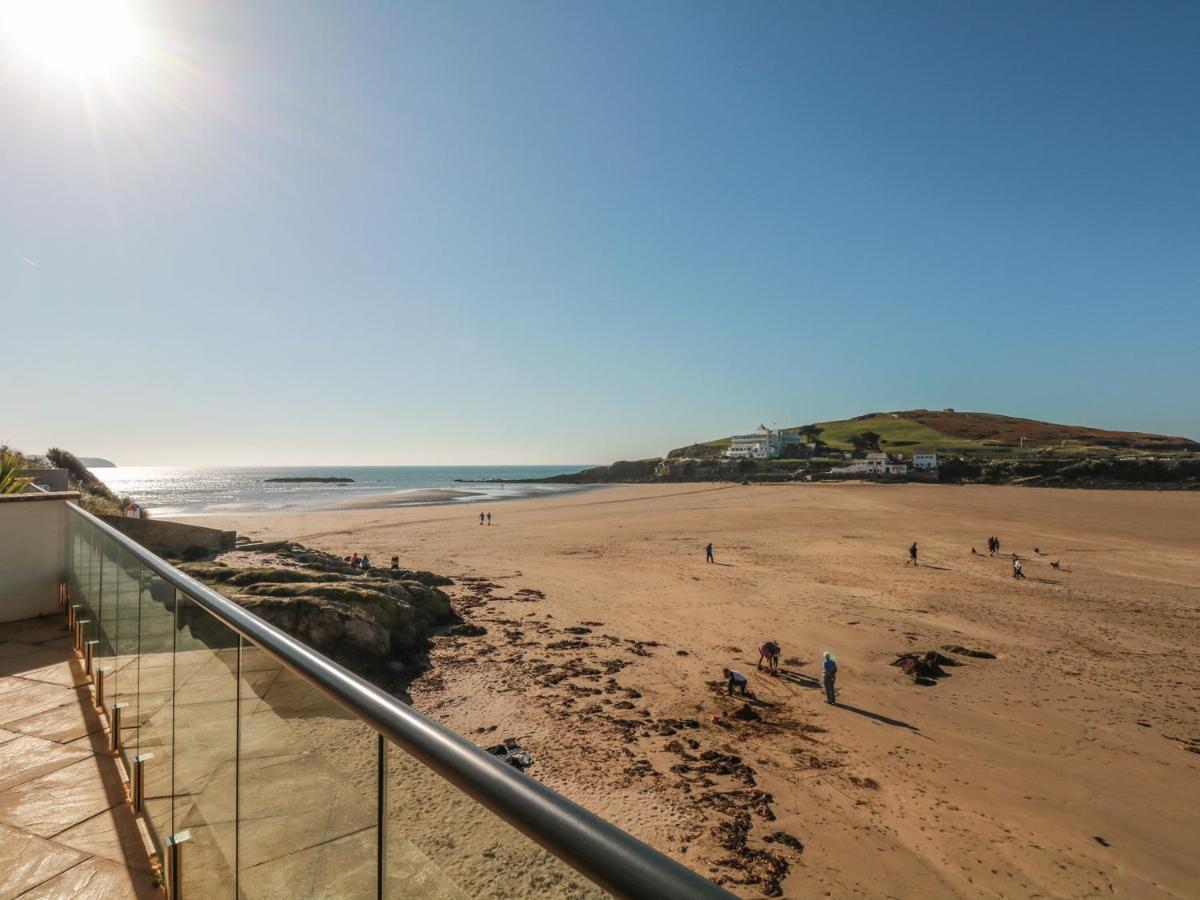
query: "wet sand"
408, 498
1066, 766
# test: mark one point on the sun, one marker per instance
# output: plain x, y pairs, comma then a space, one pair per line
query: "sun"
85, 39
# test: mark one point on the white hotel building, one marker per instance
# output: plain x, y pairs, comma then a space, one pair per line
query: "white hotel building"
874, 464
763, 443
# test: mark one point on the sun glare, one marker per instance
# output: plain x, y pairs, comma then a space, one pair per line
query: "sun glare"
80, 38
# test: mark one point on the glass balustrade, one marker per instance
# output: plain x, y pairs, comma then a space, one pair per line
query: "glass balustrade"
268, 785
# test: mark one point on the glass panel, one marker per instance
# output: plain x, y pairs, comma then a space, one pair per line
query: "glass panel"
307, 789
91, 596
121, 669
206, 721
441, 843
155, 706
105, 624
71, 519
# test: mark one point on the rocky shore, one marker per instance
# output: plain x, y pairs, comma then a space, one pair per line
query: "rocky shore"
375, 622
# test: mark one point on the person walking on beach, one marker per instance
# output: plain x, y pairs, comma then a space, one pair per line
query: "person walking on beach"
708, 557
1017, 573
481, 518
829, 676
769, 650
735, 680
991, 546
489, 518
912, 555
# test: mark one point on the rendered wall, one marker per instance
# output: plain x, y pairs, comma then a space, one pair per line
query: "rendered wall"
173, 538
32, 553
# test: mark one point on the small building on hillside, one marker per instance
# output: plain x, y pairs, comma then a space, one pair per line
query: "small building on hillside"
927, 461
874, 464
762, 443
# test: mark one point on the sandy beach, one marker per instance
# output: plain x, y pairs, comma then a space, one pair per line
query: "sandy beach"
1065, 766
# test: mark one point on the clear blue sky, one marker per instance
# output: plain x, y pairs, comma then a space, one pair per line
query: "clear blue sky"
311, 232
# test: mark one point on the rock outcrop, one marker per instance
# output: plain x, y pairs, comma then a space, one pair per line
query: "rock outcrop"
366, 620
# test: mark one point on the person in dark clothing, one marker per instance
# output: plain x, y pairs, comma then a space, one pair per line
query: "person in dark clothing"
395, 562
829, 677
991, 546
769, 650
912, 555
708, 557
481, 518
735, 680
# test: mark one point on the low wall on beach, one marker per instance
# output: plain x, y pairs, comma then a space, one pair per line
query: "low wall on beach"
173, 538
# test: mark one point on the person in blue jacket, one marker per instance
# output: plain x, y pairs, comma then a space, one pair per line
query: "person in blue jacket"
829, 668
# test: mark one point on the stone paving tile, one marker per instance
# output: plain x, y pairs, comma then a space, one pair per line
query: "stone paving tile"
33, 631
67, 673
113, 835
17, 657
27, 757
96, 879
27, 861
9, 683
62, 724
52, 803
36, 698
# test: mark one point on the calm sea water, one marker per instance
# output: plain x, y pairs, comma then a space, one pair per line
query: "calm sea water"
196, 492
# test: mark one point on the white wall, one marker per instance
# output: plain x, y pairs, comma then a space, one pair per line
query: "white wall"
32, 553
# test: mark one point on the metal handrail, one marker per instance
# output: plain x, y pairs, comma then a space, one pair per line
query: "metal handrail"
608, 856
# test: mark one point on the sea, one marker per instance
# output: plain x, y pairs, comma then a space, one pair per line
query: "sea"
169, 491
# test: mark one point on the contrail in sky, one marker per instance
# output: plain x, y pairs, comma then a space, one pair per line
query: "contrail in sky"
30, 261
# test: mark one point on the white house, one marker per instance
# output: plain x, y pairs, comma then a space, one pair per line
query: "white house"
925, 461
874, 464
762, 443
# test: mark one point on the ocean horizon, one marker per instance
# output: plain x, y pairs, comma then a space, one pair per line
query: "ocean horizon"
174, 491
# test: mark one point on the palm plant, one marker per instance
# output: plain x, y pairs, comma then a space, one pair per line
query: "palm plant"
12, 472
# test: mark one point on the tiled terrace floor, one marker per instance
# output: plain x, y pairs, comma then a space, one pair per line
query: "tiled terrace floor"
66, 829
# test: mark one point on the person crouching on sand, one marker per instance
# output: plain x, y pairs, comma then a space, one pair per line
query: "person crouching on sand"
829, 669
735, 679
769, 650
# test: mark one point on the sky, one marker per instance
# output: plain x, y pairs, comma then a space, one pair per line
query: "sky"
295, 232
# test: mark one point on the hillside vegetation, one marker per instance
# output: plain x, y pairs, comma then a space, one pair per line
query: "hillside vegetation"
975, 434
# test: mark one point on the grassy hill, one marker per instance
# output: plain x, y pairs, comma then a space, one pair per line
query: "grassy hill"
975, 434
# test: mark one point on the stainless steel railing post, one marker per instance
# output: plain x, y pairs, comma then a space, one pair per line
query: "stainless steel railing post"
99, 683
174, 864
89, 653
114, 724
138, 793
